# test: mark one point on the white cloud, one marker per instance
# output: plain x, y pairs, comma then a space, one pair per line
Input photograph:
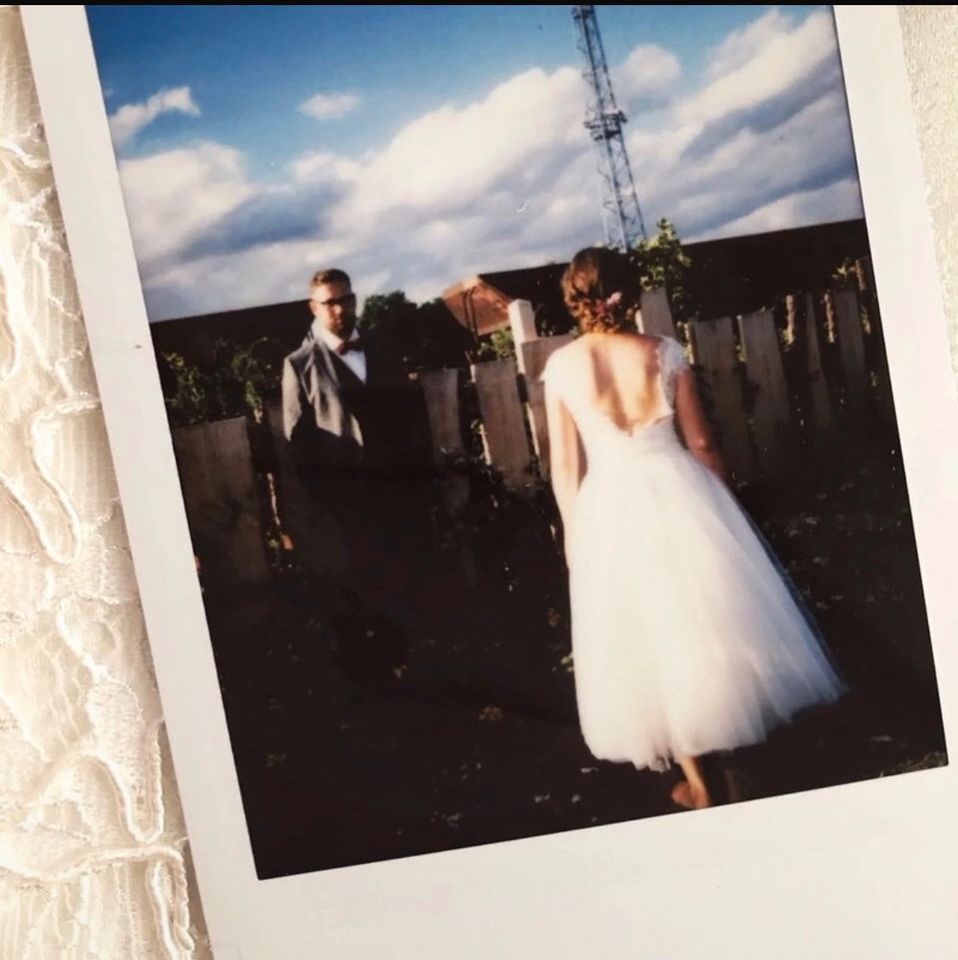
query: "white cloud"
322, 167
649, 72
508, 180
743, 45
267, 273
447, 158
173, 197
329, 106
131, 118
763, 128
781, 62
838, 201
706, 193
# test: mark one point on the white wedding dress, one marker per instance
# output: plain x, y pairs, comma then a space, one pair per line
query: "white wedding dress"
687, 637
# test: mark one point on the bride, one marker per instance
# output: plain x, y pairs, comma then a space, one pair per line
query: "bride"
686, 640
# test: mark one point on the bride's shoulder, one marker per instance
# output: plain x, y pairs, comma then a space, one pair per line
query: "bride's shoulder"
561, 359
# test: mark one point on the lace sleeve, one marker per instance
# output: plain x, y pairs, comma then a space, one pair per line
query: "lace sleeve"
672, 361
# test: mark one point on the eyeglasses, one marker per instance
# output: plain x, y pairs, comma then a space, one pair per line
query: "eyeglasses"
343, 301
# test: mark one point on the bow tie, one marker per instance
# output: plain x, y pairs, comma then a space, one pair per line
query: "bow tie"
347, 345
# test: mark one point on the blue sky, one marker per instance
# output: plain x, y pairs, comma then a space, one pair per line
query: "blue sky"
416, 146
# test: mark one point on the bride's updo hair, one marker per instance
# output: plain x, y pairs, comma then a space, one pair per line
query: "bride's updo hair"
601, 291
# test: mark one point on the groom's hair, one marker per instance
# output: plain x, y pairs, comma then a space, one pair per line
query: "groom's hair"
333, 275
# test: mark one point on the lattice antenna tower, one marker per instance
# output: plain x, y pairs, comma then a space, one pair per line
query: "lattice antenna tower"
621, 214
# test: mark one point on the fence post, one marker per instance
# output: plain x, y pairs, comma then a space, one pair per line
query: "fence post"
522, 322
503, 424
869, 295
819, 403
655, 317
851, 343
713, 347
222, 501
534, 355
440, 390
771, 411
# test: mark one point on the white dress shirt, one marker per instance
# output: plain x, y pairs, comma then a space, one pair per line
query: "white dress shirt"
354, 359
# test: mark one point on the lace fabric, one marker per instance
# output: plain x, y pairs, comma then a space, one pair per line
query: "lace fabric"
91, 836
672, 362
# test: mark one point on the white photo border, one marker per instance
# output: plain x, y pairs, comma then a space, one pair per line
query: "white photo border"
856, 869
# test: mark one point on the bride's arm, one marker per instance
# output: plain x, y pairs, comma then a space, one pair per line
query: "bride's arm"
694, 425
566, 456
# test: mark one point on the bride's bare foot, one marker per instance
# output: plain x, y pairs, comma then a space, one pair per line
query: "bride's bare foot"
692, 797
682, 794
692, 792
700, 796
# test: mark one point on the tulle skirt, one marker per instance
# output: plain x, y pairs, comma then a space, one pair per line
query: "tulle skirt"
687, 636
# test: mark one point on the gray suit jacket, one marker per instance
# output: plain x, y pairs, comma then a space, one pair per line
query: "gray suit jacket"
361, 452
318, 416
335, 422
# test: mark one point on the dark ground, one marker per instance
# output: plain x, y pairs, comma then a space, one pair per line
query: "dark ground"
353, 748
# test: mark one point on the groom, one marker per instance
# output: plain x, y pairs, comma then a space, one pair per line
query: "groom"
330, 385
356, 431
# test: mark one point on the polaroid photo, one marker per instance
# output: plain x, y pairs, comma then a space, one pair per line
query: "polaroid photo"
535, 433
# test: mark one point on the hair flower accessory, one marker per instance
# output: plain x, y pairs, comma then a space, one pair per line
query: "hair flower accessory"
614, 300
604, 307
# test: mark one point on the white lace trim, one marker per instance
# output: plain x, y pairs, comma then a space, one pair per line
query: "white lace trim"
91, 834
672, 361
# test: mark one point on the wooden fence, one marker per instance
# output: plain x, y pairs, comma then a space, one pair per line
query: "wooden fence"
777, 387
